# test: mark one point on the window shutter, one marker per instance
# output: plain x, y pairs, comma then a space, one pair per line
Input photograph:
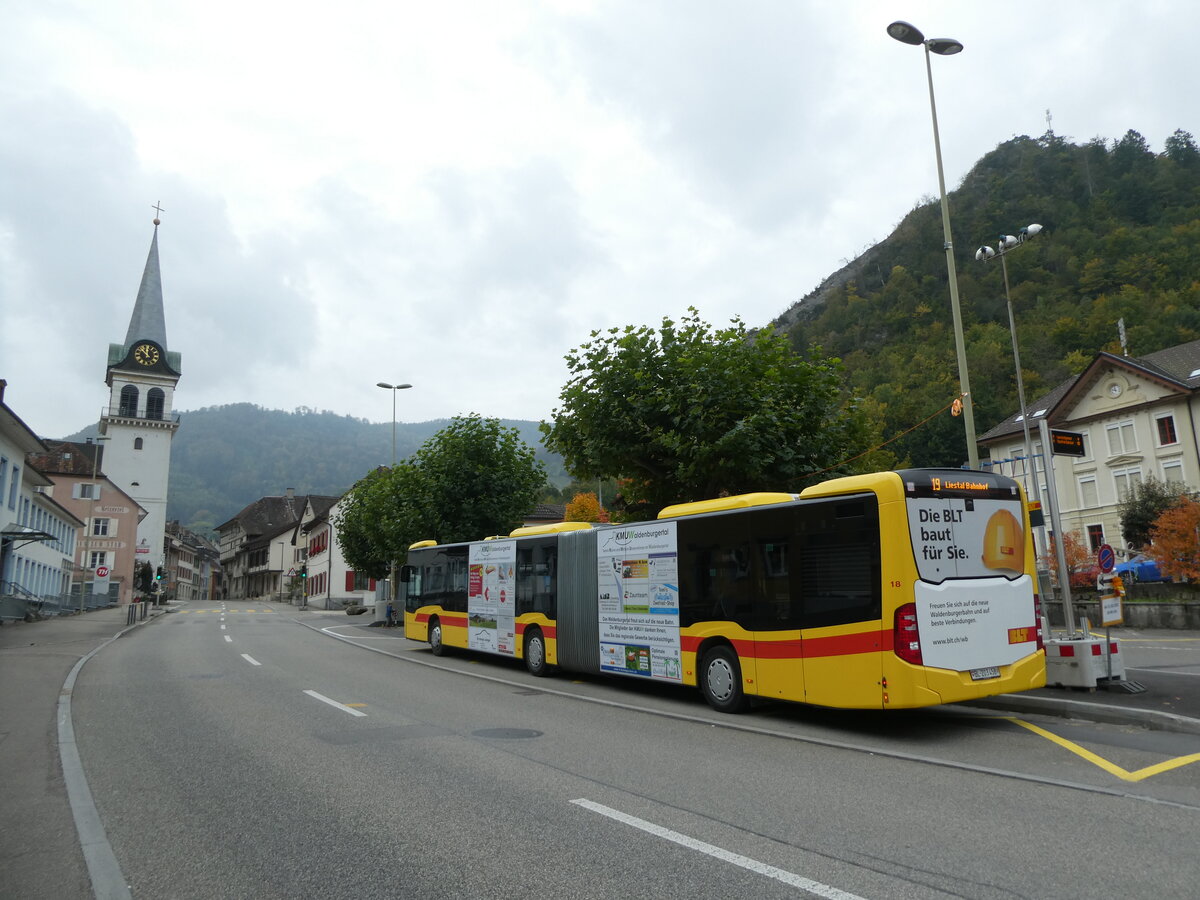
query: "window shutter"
349, 581
372, 585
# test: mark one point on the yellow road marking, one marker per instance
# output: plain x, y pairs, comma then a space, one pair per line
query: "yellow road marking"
1109, 767
356, 705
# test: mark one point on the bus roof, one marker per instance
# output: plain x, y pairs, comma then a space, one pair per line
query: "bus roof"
738, 501
550, 528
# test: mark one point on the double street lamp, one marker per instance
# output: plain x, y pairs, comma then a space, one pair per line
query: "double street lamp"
1006, 244
393, 388
910, 34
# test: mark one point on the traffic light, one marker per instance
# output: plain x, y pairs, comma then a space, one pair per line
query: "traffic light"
158, 576
304, 571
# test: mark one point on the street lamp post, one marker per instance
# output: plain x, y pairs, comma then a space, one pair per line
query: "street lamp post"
393, 388
1007, 243
910, 34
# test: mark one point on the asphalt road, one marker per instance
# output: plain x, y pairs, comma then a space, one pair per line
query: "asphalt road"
250, 754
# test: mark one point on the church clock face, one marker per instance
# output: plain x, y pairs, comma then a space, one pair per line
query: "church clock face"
146, 354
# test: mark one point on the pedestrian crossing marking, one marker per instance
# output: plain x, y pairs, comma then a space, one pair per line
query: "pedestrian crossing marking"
1111, 767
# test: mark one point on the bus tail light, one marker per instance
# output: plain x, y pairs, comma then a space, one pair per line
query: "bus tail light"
906, 637
1037, 619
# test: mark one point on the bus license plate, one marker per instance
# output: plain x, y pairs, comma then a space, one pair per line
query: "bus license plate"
985, 672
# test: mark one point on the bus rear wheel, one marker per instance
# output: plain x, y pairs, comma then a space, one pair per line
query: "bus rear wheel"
535, 654
721, 680
435, 638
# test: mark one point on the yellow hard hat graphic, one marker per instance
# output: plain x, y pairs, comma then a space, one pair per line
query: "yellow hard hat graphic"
1003, 543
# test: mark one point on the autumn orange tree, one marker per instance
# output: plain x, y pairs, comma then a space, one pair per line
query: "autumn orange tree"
585, 507
1176, 546
1078, 560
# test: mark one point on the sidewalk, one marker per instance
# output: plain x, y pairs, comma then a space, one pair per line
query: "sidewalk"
41, 843
1166, 662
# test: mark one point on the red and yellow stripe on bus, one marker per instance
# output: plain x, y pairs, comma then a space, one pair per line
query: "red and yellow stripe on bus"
454, 629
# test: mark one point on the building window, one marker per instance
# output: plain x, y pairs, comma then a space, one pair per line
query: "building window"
88, 491
99, 558
1121, 438
129, 401
1126, 480
154, 403
1173, 472
1095, 536
14, 482
100, 527
1166, 430
137, 443
1088, 495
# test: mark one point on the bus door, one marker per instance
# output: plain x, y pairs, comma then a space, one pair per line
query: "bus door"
778, 644
839, 573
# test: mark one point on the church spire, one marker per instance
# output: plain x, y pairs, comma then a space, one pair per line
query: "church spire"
147, 321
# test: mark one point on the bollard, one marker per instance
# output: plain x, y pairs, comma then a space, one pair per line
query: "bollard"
131, 615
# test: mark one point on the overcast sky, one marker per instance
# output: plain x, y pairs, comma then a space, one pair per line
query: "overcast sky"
455, 194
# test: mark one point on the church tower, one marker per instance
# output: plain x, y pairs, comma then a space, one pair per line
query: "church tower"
138, 422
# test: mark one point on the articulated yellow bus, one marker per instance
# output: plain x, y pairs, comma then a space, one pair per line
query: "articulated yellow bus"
883, 591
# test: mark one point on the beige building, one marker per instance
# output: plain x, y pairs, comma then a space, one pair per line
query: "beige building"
1139, 418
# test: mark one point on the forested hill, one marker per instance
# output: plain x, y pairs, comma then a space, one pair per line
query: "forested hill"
1121, 240
224, 457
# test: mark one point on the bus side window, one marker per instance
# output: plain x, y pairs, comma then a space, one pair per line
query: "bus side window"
839, 567
716, 568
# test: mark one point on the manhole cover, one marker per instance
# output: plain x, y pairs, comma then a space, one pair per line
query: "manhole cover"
509, 734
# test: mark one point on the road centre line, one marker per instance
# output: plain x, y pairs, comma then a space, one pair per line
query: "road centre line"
250, 659
228, 639
731, 724
222, 626
342, 706
790, 878
1109, 767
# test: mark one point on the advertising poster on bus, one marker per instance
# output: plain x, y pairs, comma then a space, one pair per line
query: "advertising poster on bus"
974, 601
638, 577
491, 598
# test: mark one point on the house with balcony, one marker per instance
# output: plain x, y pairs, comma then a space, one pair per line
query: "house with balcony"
1139, 418
38, 535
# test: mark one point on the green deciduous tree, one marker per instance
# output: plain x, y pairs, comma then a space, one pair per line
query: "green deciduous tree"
687, 412
477, 478
1141, 509
472, 479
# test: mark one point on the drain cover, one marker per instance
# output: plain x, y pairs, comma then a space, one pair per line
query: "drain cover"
508, 734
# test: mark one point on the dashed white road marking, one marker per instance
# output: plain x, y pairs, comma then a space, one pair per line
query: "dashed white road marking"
250, 659
342, 706
806, 884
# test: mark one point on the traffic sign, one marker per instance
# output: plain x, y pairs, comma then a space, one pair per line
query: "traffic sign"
1106, 557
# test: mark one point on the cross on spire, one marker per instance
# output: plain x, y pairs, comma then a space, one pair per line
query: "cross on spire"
158, 210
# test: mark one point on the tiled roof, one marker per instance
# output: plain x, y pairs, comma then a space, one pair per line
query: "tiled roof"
66, 458
1180, 364
548, 511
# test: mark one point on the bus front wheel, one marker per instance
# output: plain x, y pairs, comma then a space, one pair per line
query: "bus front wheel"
435, 638
721, 680
535, 654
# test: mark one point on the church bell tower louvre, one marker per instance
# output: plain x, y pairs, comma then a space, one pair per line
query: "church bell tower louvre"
138, 422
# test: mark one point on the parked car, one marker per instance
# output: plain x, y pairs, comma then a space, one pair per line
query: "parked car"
1140, 568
